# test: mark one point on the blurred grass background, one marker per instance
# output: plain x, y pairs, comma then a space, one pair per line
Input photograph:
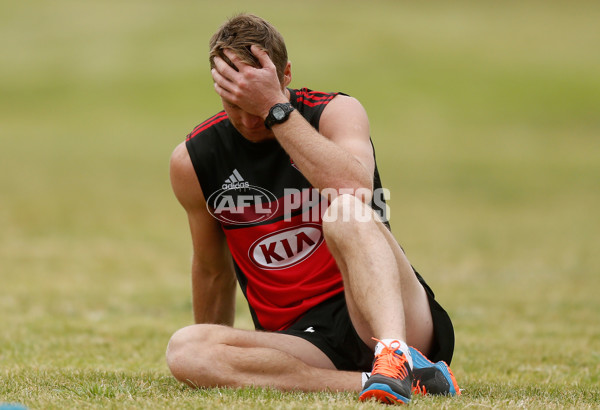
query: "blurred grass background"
485, 117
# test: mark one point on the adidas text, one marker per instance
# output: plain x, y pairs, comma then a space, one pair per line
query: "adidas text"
236, 185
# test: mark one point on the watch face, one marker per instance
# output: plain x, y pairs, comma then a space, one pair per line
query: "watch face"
278, 113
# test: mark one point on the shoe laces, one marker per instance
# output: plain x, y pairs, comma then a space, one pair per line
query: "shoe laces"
418, 388
389, 363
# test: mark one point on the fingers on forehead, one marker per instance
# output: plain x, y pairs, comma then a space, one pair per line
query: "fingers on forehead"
223, 62
232, 59
229, 53
238, 62
231, 56
256, 49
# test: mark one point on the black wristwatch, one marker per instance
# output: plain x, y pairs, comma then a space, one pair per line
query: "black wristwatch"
278, 113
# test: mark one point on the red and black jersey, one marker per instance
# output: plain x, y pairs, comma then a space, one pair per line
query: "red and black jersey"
270, 215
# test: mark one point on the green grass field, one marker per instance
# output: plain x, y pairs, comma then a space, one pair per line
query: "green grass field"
486, 120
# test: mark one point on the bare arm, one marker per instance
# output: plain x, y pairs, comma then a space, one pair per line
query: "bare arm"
213, 278
339, 157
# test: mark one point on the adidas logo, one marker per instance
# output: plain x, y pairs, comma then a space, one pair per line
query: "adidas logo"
235, 181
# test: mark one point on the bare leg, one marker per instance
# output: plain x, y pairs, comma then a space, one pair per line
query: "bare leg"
384, 297
214, 355
385, 300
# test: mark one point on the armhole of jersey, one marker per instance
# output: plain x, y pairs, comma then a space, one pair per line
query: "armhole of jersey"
199, 169
311, 112
319, 113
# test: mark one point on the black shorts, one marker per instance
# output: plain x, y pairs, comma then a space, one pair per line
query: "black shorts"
328, 327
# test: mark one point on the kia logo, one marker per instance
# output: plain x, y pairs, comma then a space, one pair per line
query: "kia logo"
287, 247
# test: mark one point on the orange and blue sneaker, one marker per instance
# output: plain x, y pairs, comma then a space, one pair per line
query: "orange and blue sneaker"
391, 378
432, 378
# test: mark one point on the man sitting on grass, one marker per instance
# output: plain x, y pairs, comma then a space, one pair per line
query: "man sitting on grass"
335, 302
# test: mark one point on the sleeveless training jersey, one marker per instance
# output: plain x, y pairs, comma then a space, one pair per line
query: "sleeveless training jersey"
270, 215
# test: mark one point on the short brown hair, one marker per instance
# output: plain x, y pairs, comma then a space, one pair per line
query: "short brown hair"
242, 31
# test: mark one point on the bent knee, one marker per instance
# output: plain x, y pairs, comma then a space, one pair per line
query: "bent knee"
189, 350
342, 215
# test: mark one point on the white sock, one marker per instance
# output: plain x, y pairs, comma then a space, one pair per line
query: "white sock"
365, 377
403, 348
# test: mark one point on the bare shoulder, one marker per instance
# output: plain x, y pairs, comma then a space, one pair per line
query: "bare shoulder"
184, 180
345, 102
180, 157
206, 233
344, 114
